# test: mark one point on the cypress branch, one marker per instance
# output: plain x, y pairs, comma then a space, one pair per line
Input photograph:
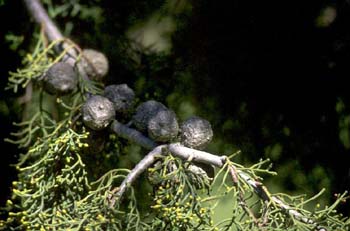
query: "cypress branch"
246, 177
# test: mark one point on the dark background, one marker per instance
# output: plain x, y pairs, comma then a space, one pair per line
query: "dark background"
265, 64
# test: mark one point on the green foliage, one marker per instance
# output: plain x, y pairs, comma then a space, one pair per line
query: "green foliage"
14, 40
177, 204
54, 190
344, 124
36, 64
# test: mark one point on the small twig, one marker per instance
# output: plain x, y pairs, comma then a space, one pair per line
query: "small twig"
233, 172
145, 163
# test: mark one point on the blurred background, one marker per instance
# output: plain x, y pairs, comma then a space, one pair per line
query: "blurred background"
271, 76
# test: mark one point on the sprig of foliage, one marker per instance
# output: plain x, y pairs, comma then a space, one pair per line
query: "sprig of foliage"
51, 183
35, 64
54, 192
271, 211
177, 204
40, 123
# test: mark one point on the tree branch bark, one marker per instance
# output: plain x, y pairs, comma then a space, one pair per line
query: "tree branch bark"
142, 166
40, 16
132, 135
